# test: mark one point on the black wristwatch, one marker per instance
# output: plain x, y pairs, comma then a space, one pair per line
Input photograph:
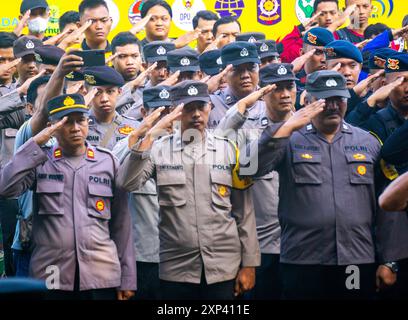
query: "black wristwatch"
392, 265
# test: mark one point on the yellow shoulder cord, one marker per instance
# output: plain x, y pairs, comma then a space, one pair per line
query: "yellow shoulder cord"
237, 181
388, 170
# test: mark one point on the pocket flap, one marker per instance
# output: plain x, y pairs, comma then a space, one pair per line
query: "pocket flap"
307, 157
223, 178
49, 186
101, 190
170, 177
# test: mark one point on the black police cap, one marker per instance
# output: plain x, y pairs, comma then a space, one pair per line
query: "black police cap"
32, 4
48, 54
158, 96
103, 76
250, 37
211, 62
190, 91
267, 48
63, 105
276, 72
327, 83
239, 52
157, 51
26, 45
183, 59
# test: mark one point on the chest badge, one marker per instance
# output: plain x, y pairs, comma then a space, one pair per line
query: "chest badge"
126, 130
306, 156
100, 205
222, 191
359, 156
362, 170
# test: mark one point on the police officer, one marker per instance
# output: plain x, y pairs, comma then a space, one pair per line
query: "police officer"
207, 228
242, 80
156, 51
392, 227
363, 111
106, 126
268, 52
143, 202
211, 65
326, 194
280, 102
184, 60
81, 224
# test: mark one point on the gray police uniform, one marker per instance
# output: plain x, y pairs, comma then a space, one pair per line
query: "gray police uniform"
107, 135
265, 189
205, 225
327, 198
80, 216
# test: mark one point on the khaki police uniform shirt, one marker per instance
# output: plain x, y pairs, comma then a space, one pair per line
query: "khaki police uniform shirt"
205, 224
80, 216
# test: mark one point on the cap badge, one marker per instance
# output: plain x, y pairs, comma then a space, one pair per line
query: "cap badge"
30, 44
69, 102
282, 71
330, 52
331, 83
244, 52
192, 91
264, 47
185, 61
90, 79
393, 64
164, 94
161, 51
219, 61
252, 39
311, 38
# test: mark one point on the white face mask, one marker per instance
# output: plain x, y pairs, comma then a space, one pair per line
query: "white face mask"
37, 25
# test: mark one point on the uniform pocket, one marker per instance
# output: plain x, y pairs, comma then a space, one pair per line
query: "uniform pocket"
171, 185
99, 201
361, 168
50, 197
221, 184
307, 167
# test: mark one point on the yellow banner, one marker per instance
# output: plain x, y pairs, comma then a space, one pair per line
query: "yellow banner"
275, 18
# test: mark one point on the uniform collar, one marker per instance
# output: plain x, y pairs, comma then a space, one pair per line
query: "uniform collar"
395, 113
58, 155
310, 128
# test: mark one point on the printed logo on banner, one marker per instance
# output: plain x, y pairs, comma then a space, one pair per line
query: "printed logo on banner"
184, 11
304, 9
227, 8
382, 8
134, 11
269, 12
53, 22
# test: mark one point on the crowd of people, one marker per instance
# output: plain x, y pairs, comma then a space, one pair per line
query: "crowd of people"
219, 165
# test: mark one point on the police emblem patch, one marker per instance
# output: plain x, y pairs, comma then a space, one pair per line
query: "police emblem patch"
126, 130
90, 79
164, 94
69, 102
244, 53
192, 91
161, 51
100, 205
361, 170
30, 45
393, 64
282, 70
312, 38
185, 61
264, 47
331, 83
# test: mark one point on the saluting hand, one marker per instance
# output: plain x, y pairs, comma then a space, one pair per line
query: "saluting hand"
140, 25
215, 81
384, 92
361, 89
9, 65
172, 80
245, 280
141, 78
252, 98
299, 62
75, 37
300, 118
147, 123
43, 136
187, 38
24, 87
